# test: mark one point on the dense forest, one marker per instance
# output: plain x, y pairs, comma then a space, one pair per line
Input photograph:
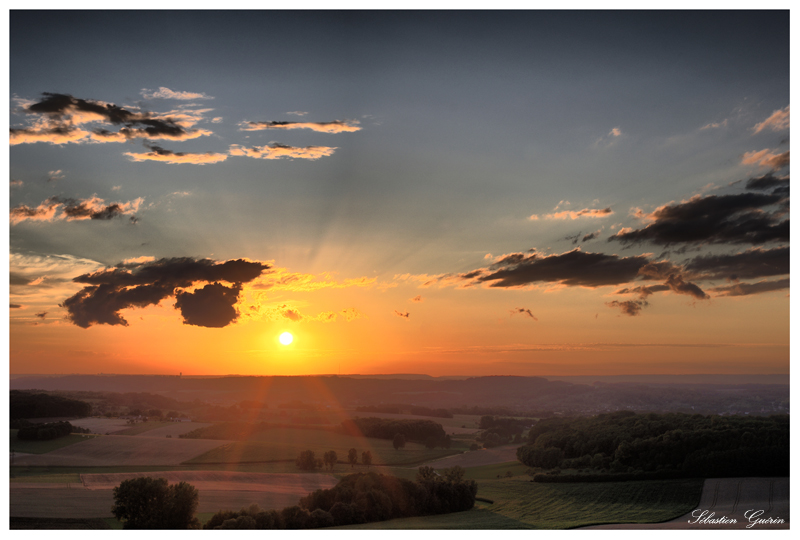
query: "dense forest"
38, 405
687, 445
361, 498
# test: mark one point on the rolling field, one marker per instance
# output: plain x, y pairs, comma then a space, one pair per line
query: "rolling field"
43, 447
731, 497
478, 458
174, 429
284, 445
218, 490
521, 504
102, 426
291, 484
110, 450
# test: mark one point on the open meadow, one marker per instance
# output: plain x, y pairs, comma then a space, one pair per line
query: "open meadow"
110, 450
283, 444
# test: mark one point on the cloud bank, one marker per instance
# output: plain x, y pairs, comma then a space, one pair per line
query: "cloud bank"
337, 126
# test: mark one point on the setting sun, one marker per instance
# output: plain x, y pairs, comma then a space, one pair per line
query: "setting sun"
286, 338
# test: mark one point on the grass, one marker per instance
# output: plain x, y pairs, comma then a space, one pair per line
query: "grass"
63, 478
285, 444
143, 428
490, 472
42, 447
521, 504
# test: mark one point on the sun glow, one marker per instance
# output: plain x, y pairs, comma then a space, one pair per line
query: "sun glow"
286, 338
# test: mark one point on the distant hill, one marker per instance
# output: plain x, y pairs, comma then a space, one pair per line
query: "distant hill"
515, 393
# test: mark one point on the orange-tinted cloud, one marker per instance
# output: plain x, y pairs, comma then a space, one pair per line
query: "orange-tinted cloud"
337, 126
765, 158
56, 117
281, 279
403, 315
56, 208
279, 151
577, 214
167, 156
777, 121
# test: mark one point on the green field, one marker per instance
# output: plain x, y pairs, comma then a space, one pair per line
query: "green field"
143, 428
285, 444
42, 447
522, 504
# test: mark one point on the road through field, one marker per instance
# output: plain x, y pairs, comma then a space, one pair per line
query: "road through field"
730, 499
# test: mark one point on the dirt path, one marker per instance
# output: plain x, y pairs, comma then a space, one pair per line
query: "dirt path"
731, 499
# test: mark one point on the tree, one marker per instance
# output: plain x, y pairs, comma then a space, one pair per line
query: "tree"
151, 503
366, 458
331, 458
426, 474
306, 460
399, 441
352, 457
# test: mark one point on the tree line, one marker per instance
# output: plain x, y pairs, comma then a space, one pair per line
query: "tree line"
151, 503
692, 445
389, 428
308, 461
39, 405
46, 432
361, 498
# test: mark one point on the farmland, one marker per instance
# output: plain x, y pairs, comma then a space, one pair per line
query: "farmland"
43, 447
111, 450
284, 444
521, 504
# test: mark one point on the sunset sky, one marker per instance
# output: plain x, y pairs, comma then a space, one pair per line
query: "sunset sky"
449, 193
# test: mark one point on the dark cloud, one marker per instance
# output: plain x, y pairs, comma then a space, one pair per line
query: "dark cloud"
644, 291
753, 263
401, 314
590, 236
211, 306
15, 306
745, 289
574, 238
676, 283
41, 315
573, 268
767, 182
418, 298
737, 219
628, 307
125, 286
524, 312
